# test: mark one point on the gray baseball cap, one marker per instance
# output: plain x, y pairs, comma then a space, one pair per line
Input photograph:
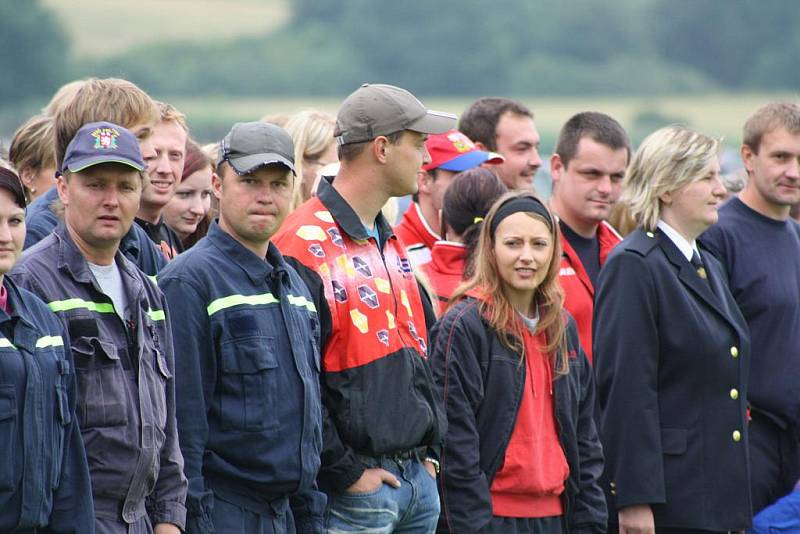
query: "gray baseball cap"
250, 145
379, 109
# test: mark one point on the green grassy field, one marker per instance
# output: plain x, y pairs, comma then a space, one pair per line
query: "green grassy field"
720, 115
103, 29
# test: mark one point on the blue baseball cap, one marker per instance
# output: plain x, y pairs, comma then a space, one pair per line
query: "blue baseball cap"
102, 142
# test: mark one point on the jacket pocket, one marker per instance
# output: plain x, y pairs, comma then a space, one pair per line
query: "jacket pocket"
9, 470
249, 384
158, 376
101, 384
673, 440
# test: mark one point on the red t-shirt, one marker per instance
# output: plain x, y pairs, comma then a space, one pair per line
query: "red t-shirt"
531, 479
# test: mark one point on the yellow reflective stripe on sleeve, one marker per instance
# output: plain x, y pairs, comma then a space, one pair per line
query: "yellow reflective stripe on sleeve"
235, 300
156, 315
72, 304
41, 343
302, 302
49, 341
255, 300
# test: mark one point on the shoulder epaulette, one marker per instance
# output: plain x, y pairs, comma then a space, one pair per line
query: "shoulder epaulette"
641, 241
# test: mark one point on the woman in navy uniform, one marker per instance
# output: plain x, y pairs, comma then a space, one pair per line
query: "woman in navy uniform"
671, 352
44, 478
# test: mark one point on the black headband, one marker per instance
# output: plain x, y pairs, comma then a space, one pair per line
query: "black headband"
521, 204
11, 183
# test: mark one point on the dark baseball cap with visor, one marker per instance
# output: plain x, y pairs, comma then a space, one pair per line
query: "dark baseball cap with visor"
102, 142
380, 109
250, 145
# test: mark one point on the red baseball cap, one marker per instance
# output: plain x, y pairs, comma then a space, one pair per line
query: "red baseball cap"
453, 151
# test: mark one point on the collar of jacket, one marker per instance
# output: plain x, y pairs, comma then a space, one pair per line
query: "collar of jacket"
71, 259
20, 311
346, 218
257, 269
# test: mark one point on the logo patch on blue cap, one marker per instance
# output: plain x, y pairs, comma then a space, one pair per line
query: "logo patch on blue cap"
105, 138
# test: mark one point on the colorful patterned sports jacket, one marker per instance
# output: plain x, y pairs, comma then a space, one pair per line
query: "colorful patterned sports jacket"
377, 386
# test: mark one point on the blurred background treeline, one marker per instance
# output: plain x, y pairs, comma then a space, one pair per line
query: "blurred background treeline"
707, 63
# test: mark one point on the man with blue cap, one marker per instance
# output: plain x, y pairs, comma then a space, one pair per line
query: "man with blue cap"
119, 334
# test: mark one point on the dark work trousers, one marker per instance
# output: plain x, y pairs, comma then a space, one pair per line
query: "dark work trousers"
230, 518
774, 460
110, 526
614, 529
525, 525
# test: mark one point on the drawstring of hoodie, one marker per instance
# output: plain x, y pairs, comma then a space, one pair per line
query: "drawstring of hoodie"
530, 324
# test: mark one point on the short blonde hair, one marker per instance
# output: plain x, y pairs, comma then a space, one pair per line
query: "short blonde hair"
169, 113
63, 95
109, 99
312, 134
32, 145
666, 160
768, 118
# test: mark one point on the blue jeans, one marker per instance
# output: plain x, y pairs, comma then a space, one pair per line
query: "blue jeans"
413, 508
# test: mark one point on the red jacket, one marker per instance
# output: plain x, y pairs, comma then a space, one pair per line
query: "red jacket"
578, 289
377, 388
416, 234
445, 271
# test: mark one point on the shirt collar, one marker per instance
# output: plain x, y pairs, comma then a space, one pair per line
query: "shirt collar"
346, 217
257, 269
686, 248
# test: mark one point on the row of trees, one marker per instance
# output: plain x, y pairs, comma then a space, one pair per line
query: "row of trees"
457, 47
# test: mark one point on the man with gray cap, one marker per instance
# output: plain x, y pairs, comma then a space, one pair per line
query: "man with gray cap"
382, 424
249, 413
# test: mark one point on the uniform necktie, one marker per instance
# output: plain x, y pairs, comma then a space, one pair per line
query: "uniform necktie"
697, 263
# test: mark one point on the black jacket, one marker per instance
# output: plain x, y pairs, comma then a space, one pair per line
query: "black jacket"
671, 357
481, 384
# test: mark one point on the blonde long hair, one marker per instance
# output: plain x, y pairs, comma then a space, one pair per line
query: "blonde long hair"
312, 134
494, 304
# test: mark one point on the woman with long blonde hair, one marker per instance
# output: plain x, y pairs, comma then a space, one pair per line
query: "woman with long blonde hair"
521, 452
314, 148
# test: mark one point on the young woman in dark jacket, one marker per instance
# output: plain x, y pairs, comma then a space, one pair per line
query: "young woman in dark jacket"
521, 452
44, 475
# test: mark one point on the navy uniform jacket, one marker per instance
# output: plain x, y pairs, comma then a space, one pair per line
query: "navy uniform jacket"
40, 222
44, 480
671, 359
249, 410
126, 395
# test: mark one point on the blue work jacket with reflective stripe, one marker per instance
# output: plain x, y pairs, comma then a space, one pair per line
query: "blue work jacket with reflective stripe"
247, 363
126, 396
44, 479
40, 221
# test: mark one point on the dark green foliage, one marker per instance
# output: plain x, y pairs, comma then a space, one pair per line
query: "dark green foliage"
33, 51
445, 47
